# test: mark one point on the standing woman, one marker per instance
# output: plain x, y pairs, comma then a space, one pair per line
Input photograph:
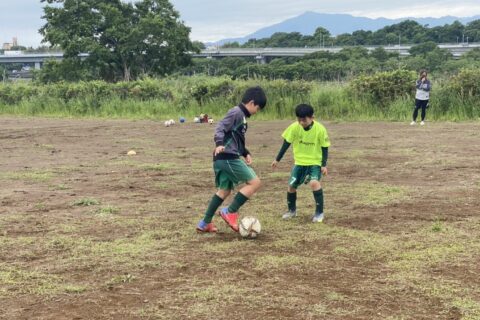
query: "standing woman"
422, 96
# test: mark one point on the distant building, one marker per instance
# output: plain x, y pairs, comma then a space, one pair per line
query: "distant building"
9, 46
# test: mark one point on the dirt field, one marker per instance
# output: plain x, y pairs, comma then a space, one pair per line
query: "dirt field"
87, 232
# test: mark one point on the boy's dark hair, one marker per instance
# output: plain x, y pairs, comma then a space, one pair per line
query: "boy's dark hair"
304, 110
257, 95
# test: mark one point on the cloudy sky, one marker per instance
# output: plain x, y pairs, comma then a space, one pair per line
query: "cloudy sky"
213, 20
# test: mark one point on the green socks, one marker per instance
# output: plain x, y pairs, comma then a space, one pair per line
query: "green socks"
318, 195
237, 202
212, 207
292, 201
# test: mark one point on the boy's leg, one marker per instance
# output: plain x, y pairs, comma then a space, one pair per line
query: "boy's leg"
291, 203
224, 186
292, 199
317, 193
216, 201
244, 194
206, 225
297, 177
238, 172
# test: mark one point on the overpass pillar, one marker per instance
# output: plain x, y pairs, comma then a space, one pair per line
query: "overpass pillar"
38, 65
261, 59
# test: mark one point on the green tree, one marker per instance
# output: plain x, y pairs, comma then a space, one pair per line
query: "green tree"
423, 49
124, 40
472, 30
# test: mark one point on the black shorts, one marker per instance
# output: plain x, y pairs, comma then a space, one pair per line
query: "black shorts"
421, 104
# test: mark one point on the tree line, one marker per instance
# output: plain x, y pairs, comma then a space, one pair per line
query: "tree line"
405, 32
147, 38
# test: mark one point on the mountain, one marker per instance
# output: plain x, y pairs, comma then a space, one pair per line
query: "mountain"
337, 24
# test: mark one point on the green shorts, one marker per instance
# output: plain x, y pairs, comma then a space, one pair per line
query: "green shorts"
304, 174
229, 173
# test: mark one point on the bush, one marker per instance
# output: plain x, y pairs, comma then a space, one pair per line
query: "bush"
466, 83
384, 87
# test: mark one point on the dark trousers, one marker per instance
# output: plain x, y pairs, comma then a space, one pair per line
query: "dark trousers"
423, 104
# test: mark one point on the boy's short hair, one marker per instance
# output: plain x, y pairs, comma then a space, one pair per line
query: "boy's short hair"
304, 110
257, 95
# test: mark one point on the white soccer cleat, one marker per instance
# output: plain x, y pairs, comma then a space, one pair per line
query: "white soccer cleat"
422, 123
318, 217
289, 215
413, 123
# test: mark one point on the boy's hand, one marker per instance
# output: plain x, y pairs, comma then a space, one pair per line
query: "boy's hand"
219, 149
324, 171
274, 164
248, 159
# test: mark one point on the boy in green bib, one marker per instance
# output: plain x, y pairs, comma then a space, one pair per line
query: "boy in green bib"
310, 152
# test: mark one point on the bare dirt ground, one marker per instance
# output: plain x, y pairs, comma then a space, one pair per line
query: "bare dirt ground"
88, 232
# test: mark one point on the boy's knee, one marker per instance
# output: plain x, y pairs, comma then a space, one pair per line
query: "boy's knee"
256, 183
315, 185
223, 193
291, 189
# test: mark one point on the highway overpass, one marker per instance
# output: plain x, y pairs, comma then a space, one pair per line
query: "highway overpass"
260, 54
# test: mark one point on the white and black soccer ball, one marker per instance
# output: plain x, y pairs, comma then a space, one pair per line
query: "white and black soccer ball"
210, 120
172, 122
167, 123
249, 227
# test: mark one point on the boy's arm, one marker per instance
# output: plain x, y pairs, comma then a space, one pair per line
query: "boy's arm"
282, 151
224, 126
324, 161
324, 156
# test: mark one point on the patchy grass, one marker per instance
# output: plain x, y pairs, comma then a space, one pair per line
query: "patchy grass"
59, 187
85, 202
32, 175
14, 280
379, 255
75, 289
107, 210
373, 194
156, 166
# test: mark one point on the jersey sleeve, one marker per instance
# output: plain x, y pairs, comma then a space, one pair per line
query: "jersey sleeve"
324, 139
289, 133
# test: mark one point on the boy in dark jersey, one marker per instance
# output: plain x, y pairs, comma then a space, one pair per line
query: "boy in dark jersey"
229, 169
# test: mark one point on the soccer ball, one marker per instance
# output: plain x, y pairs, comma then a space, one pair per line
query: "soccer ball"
249, 227
210, 121
172, 122
182, 119
196, 120
167, 123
